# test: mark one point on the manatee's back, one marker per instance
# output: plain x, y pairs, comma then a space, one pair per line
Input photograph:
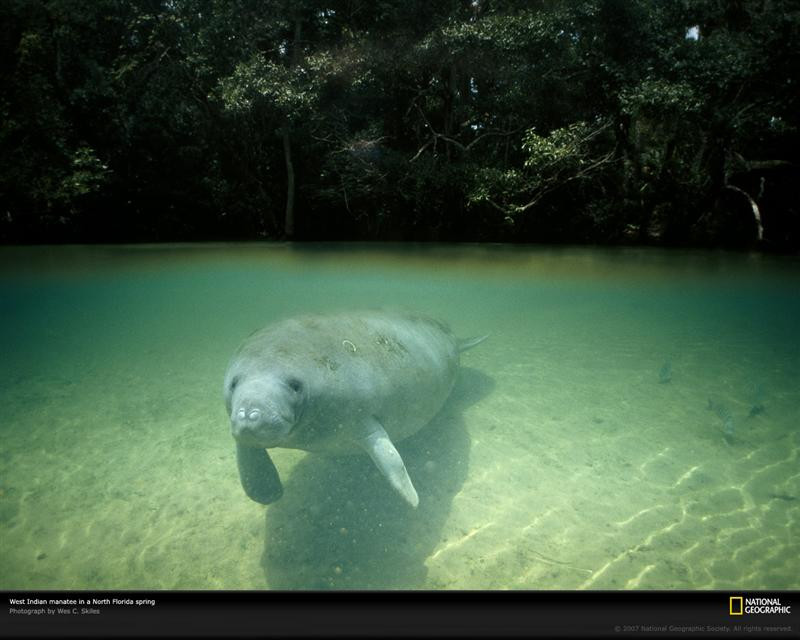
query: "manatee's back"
399, 368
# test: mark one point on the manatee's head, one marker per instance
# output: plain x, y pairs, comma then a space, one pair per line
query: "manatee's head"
264, 408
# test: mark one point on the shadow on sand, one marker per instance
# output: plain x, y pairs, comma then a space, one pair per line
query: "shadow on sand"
340, 525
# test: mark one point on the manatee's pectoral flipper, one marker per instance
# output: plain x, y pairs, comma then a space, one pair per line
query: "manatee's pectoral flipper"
377, 444
258, 474
468, 343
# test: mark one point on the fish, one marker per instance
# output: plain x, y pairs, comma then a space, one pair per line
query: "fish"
665, 374
757, 401
724, 414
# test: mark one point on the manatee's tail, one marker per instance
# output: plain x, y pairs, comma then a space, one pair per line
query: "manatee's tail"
468, 343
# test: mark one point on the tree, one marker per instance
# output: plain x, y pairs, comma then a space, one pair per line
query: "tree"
590, 121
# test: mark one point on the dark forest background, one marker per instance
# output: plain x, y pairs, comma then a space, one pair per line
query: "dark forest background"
603, 121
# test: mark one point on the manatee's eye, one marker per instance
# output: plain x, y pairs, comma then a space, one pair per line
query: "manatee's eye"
295, 385
234, 382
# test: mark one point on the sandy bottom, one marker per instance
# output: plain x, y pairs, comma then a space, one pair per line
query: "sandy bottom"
561, 461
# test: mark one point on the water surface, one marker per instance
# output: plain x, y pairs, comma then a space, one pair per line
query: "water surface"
632, 422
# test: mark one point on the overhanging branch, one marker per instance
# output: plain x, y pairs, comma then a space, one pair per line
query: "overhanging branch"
435, 135
754, 207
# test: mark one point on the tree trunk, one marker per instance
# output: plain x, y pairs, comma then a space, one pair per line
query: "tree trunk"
449, 107
288, 224
754, 207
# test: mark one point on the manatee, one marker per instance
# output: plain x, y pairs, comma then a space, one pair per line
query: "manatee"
339, 383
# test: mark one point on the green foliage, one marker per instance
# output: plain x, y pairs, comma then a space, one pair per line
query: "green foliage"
589, 120
660, 98
88, 175
258, 82
489, 183
560, 146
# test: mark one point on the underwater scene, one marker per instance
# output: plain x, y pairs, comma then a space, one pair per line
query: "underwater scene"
631, 421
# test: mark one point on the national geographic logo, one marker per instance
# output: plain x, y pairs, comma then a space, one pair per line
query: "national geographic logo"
739, 605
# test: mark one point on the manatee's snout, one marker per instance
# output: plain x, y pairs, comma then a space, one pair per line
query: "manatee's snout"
244, 418
245, 424
264, 410
257, 426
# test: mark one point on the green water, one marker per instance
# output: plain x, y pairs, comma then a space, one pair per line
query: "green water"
632, 422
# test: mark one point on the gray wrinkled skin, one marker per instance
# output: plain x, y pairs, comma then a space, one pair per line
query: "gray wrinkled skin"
345, 367
340, 383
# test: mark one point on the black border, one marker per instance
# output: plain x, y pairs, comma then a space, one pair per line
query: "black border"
408, 614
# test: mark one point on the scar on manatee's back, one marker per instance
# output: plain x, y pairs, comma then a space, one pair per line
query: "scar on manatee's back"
391, 345
325, 361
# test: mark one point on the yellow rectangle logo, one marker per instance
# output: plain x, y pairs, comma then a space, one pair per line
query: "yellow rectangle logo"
737, 605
